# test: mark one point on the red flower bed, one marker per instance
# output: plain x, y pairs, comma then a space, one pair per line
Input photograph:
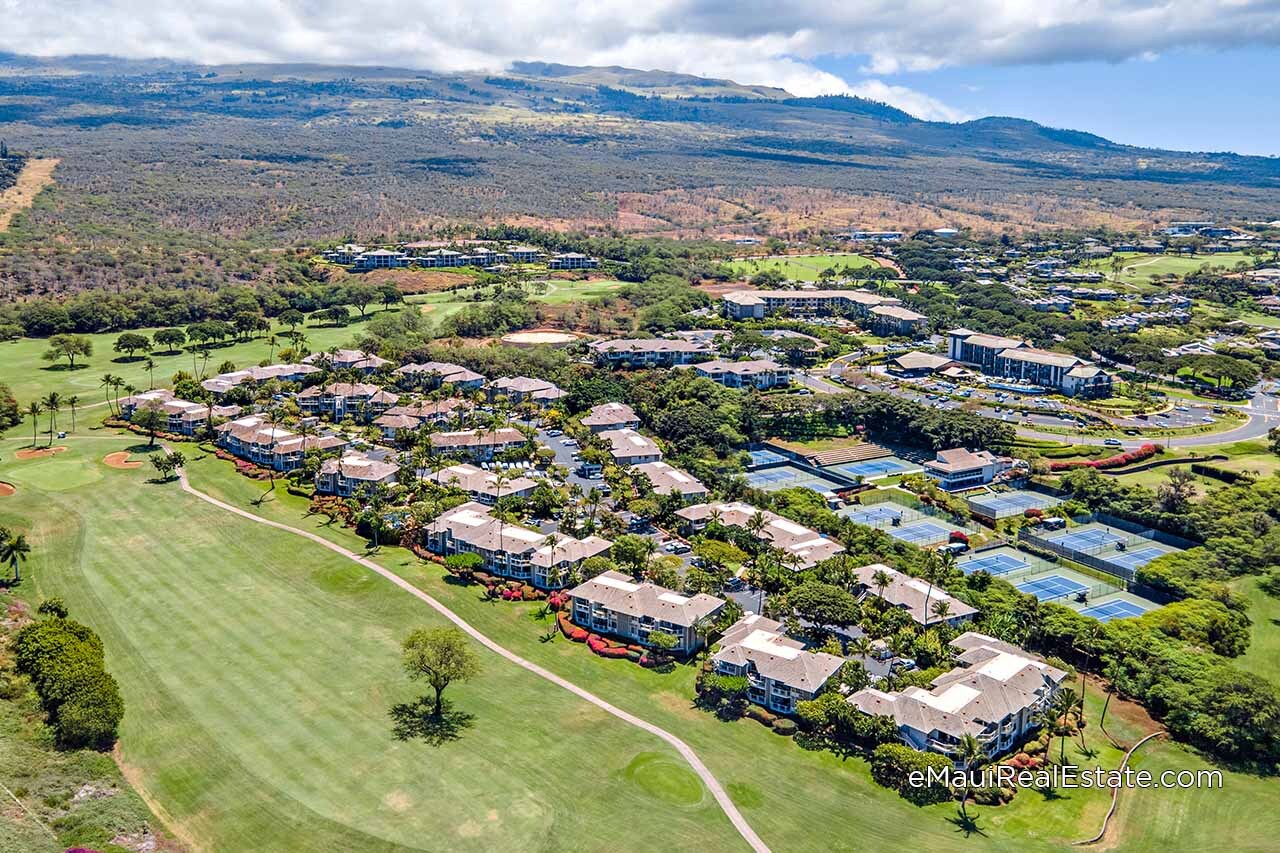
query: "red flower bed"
579, 635
1146, 451
959, 536
1033, 513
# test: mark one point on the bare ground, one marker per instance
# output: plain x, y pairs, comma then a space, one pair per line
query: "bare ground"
34, 177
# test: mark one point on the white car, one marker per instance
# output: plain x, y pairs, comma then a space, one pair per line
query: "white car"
1113, 442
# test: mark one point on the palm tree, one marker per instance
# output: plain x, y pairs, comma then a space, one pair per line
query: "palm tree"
72, 402
108, 382
969, 751
13, 550
499, 481
52, 403
881, 581
941, 609
150, 365
1065, 703
272, 343
275, 417
116, 384
35, 410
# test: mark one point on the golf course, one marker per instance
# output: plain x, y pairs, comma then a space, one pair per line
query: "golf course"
260, 670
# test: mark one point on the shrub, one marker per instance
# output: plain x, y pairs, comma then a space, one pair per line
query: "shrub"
1129, 457
784, 727
760, 715
578, 635
892, 765
1033, 512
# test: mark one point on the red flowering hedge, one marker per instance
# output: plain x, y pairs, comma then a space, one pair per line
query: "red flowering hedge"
1032, 512
1144, 452
959, 536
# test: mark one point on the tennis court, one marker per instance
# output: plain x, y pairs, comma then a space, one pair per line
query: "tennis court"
881, 515
1006, 504
869, 469
994, 564
923, 532
1088, 540
1118, 608
1051, 587
788, 477
1138, 557
761, 458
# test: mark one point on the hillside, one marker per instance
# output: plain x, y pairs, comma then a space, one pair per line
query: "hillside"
160, 159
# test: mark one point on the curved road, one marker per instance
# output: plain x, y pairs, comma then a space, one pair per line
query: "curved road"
722, 798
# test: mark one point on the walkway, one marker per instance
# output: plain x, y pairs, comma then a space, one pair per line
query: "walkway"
726, 804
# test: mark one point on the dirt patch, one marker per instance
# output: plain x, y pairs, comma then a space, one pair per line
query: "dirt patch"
398, 801
6, 489
39, 452
34, 177
120, 460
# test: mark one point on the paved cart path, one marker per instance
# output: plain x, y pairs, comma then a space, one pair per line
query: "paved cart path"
713, 785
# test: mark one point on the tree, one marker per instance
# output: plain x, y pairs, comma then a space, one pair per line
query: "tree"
170, 339
52, 404
151, 419
439, 656
663, 644
163, 464
131, 342
464, 564
361, 296
969, 752
10, 414
34, 410
1065, 705
292, 317
823, 604
72, 402
14, 549
69, 347
633, 551
108, 383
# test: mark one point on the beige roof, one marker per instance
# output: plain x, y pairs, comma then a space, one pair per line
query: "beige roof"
617, 592
477, 481
627, 444
649, 345
357, 466
922, 361
427, 410
993, 341
446, 371
994, 681
667, 480
756, 643
897, 312
477, 438
348, 358
350, 389
1041, 356
610, 414
523, 385
740, 368
910, 593
752, 297
959, 459
783, 533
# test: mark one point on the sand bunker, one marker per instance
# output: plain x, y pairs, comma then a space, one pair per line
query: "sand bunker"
120, 460
6, 489
539, 336
38, 452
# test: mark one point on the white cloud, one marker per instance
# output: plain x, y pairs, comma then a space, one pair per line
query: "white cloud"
771, 42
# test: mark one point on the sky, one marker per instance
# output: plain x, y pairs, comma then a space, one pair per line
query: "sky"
1183, 74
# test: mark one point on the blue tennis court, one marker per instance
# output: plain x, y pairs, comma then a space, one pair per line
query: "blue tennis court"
1010, 503
873, 516
1117, 609
1087, 540
770, 475
923, 532
760, 458
868, 468
1138, 557
994, 564
1051, 587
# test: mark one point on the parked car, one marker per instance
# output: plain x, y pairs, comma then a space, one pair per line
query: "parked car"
1113, 442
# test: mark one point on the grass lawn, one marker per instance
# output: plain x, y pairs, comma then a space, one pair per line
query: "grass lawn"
1140, 267
799, 267
806, 799
30, 376
443, 304
1263, 656
258, 671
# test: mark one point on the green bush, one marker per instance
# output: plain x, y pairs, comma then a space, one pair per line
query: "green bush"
892, 765
785, 727
64, 661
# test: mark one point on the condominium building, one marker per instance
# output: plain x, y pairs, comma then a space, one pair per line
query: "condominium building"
894, 320
413, 416
629, 447
433, 374
182, 417
348, 359
485, 486
667, 480
996, 694
607, 416
802, 548
253, 438
572, 261
224, 382
650, 352
510, 550
917, 597
351, 473
520, 389
758, 304
778, 670
479, 445
338, 400
612, 603
760, 373
1013, 358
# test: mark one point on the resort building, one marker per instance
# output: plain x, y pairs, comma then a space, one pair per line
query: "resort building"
224, 382
608, 416
521, 389
484, 486
433, 374
358, 400
479, 445
377, 259
611, 603
996, 694
761, 373
920, 364
347, 359
572, 261
894, 320
758, 304
1012, 358
350, 473
509, 550
254, 439
913, 595
667, 480
182, 417
629, 447
802, 548
524, 254
778, 670
649, 352
958, 468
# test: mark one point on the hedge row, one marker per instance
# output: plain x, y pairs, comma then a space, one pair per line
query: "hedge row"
1129, 457
64, 661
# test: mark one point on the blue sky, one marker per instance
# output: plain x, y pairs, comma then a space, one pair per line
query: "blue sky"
1193, 100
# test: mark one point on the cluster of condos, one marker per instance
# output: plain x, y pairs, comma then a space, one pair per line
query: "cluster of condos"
885, 315
362, 258
1014, 359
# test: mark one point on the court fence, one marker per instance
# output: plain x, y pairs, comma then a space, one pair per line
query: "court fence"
1161, 536
1083, 557
1090, 592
